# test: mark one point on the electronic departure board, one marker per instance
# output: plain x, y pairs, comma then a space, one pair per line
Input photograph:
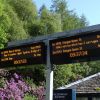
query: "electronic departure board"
84, 47
23, 55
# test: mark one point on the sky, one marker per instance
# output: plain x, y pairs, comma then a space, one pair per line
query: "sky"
90, 8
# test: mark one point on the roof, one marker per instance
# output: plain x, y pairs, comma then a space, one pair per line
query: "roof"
89, 84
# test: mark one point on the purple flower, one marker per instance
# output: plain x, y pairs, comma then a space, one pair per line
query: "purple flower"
14, 89
16, 76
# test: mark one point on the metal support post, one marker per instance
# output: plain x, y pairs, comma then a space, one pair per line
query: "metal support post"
49, 76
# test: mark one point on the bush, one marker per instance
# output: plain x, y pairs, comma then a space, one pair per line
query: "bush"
39, 92
15, 88
29, 97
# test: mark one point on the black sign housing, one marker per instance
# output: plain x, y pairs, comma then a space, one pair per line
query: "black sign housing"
73, 49
64, 94
29, 54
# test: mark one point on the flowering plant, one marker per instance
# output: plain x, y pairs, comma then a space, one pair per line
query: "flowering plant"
14, 89
17, 89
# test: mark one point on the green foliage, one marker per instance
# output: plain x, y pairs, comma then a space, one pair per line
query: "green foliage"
39, 74
16, 30
62, 74
83, 21
25, 9
50, 21
72, 22
29, 97
1, 7
29, 81
95, 66
11, 28
26, 13
4, 24
59, 6
97, 89
31, 74
2, 82
15, 17
81, 68
69, 19
38, 27
19, 19
3, 38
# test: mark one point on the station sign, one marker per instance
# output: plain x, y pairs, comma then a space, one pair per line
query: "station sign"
64, 94
23, 55
73, 49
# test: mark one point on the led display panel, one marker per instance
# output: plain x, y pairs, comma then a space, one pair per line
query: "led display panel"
23, 55
73, 49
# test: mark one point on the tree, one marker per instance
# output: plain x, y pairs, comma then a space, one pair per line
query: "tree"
4, 24
62, 74
69, 19
16, 30
83, 21
72, 21
51, 21
10, 24
60, 7
95, 66
67, 73
3, 38
25, 14
25, 9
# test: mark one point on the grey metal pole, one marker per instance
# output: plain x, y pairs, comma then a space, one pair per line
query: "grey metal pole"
49, 76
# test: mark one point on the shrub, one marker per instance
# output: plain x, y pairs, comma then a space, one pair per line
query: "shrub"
14, 89
29, 97
38, 92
